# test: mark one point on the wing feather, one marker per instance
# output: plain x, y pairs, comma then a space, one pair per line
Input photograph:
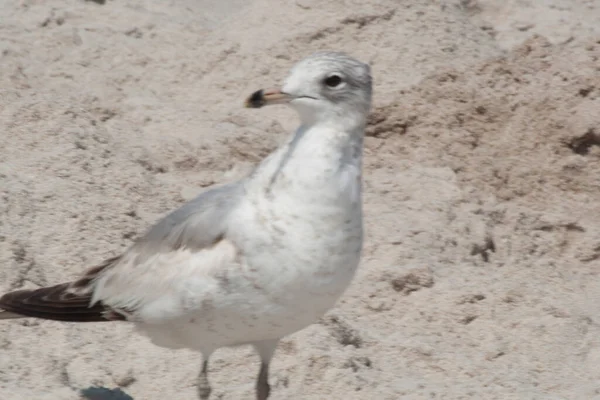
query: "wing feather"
146, 281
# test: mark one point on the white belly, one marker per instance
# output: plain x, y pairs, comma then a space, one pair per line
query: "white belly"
289, 271
298, 236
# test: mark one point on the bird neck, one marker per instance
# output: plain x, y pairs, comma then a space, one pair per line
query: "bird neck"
322, 153
329, 138
319, 151
333, 119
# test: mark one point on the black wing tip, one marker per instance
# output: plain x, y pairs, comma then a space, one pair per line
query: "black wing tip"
56, 303
67, 302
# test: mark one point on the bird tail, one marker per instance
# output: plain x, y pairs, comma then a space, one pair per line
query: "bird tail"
56, 303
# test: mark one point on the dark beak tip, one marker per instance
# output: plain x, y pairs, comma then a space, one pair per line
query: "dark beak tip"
256, 99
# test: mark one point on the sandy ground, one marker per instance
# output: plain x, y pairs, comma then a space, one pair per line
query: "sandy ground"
481, 271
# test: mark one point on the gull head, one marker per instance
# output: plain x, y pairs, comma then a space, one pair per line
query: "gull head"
323, 86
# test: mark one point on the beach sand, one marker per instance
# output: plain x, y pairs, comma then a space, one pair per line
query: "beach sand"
481, 270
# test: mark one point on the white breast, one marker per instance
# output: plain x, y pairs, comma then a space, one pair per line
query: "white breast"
306, 216
298, 237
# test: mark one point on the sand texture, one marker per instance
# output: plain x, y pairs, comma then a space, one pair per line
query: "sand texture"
481, 271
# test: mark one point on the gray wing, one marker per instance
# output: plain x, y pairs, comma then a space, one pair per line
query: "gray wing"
195, 225
146, 280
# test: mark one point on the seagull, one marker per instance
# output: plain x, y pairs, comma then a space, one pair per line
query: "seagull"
249, 262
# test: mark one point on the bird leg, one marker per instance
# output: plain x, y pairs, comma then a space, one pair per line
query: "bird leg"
265, 349
263, 389
203, 385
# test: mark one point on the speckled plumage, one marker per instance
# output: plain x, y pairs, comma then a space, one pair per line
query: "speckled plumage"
252, 261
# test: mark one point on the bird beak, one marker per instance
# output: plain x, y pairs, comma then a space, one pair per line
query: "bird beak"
267, 97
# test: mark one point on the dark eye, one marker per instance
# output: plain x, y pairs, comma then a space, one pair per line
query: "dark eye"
333, 80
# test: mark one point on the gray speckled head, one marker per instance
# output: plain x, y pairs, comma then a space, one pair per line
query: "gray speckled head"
321, 85
333, 77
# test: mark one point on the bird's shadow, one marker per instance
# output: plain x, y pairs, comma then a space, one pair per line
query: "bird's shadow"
102, 393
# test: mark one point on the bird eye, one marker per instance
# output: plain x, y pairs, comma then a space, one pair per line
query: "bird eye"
333, 81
